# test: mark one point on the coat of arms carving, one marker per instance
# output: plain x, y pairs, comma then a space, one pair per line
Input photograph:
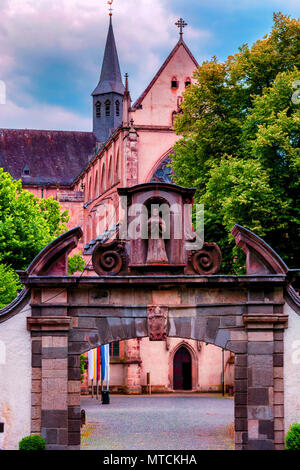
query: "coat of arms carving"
157, 322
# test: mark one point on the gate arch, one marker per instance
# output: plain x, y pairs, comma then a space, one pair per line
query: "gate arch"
243, 314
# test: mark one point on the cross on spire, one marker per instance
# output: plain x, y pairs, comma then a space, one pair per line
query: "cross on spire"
181, 24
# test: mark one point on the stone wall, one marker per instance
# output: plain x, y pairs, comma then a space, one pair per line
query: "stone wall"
292, 369
15, 380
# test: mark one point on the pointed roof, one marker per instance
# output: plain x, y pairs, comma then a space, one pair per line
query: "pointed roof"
179, 43
110, 79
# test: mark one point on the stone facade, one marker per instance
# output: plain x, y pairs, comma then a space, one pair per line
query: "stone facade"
254, 339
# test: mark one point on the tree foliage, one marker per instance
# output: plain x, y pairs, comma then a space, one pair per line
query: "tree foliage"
27, 225
9, 285
76, 263
240, 142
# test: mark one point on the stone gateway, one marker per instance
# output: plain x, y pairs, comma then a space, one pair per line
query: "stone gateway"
250, 315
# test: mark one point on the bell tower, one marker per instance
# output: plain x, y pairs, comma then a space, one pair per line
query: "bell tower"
108, 95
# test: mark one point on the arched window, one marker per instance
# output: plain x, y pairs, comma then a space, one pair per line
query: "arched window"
96, 185
118, 108
187, 82
107, 108
90, 190
174, 83
117, 169
98, 109
110, 172
103, 178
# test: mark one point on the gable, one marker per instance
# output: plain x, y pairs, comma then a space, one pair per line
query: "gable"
160, 99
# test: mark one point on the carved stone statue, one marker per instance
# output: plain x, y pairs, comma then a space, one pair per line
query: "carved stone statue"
156, 244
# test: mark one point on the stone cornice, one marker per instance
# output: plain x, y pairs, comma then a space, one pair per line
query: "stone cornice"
49, 323
167, 280
256, 319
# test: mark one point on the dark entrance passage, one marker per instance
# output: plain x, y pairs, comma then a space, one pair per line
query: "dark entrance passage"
182, 369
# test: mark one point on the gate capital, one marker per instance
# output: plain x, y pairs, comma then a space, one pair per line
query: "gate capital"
49, 323
259, 321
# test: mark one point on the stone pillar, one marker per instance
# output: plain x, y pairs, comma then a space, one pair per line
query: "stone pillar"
133, 377
240, 401
265, 381
238, 345
74, 409
278, 388
53, 358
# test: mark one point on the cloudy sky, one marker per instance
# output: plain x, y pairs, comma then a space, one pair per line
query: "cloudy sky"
51, 50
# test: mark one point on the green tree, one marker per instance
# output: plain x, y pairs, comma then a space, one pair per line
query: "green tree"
240, 142
27, 225
9, 285
76, 263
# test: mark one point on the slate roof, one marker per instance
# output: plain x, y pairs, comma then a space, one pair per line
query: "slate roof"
110, 78
50, 157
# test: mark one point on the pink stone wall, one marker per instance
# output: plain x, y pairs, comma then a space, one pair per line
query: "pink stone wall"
161, 100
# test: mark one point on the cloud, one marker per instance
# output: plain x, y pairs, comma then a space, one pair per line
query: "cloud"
236, 5
51, 52
46, 117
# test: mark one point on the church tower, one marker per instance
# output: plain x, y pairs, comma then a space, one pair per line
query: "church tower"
108, 95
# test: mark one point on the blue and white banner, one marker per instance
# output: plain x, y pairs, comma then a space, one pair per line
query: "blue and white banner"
105, 364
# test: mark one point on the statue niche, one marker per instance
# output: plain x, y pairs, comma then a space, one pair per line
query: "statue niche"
156, 229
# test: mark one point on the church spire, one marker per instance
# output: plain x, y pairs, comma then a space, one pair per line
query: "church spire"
108, 95
110, 78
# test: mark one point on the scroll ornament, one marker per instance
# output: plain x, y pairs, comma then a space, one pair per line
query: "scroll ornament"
108, 258
207, 260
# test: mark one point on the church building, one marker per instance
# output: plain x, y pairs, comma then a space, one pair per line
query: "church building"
130, 144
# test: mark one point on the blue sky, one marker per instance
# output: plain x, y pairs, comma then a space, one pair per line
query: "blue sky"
51, 50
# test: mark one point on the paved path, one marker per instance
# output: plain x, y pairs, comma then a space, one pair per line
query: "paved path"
158, 422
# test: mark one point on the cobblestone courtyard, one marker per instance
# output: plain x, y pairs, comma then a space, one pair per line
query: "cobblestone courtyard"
159, 422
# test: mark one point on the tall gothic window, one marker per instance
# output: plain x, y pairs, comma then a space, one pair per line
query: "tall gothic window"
118, 108
98, 109
107, 108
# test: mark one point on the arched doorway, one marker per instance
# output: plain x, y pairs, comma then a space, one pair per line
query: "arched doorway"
182, 369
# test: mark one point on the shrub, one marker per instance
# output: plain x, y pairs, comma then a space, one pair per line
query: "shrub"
292, 440
32, 443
